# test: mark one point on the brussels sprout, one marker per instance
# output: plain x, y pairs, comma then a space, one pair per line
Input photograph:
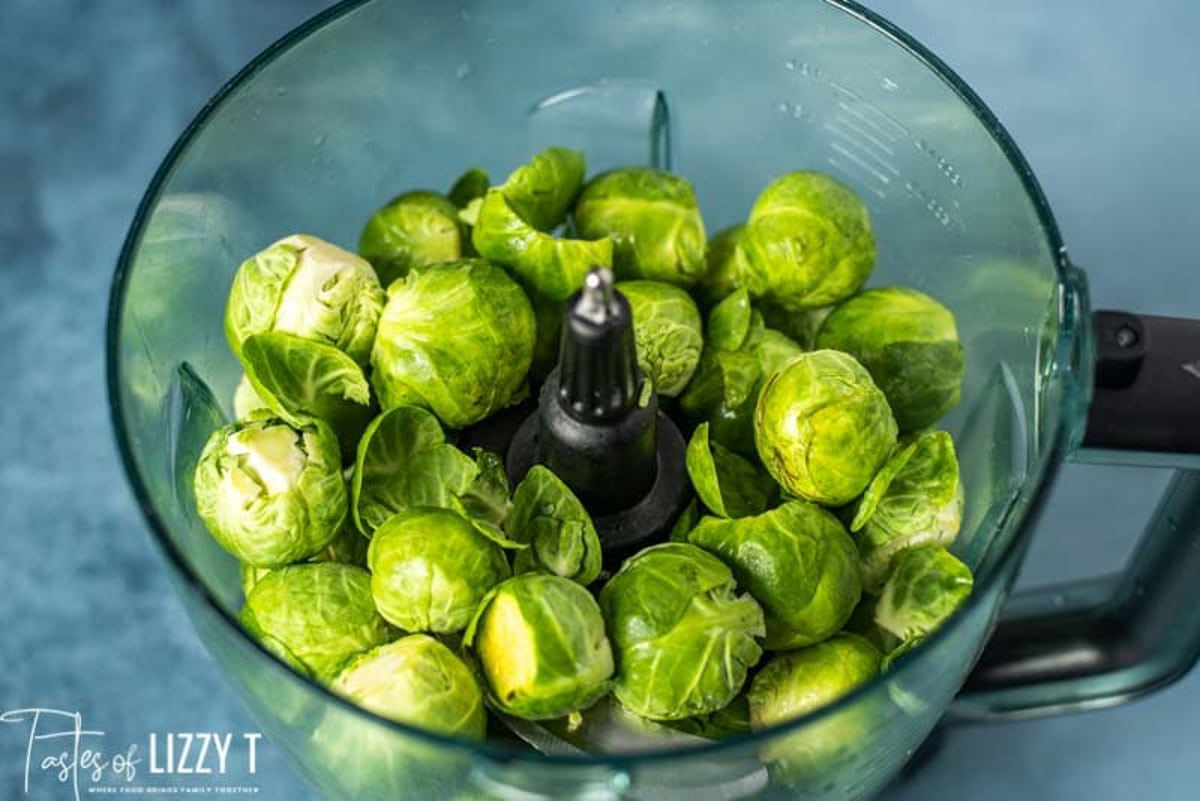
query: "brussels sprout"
925, 587
666, 330
404, 461
269, 493
807, 243
487, 496
319, 615
797, 561
915, 500
541, 647
349, 547
549, 315
686, 521
822, 427
548, 267
729, 721
684, 639
471, 185
729, 321
729, 485
801, 326
298, 378
246, 401
559, 531
541, 192
909, 344
305, 286
419, 681
727, 383
456, 338
799, 682
430, 568
413, 230
653, 220
726, 265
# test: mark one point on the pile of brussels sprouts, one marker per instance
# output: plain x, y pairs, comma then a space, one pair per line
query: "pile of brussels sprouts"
404, 572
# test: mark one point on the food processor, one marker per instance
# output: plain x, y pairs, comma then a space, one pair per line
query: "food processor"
372, 97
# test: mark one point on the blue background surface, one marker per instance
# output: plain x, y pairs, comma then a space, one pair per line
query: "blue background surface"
1101, 96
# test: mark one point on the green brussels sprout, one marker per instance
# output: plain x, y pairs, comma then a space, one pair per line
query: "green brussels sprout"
549, 315
549, 267
404, 461
246, 400
686, 521
684, 639
725, 265
348, 547
925, 587
801, 326
418, 681
416, 229
269, 493
653, 220
915, 500
471, 185
298, 379
548, 517
456, 338
727, 383
729, 321
729, 721
541, 192
797, 561
316, 615
305, 286
541, 647
822, 427
909, 344
799, 682
729, 485
807, 243
430, 568
667, 333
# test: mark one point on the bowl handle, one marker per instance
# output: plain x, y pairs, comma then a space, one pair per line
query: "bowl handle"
1101, 642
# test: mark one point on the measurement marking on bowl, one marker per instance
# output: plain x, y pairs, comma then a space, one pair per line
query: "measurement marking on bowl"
865, 149
943, 164
868, 186
844, 122
842, 150
874, 126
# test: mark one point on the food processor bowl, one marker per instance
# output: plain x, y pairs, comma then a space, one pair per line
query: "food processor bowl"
373, 98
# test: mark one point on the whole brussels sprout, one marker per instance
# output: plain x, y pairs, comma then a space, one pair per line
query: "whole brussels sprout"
548, 517
909, 344
915, 500
305, 286
925, 587
430, 568
549, 267
684, 639
797, 561
348, 547
541, 647
419, 681
729, 485
653, 220
413, 230
315, 615
456, 338
822, 427
799, 682
667, 333
807, 243
727, 382
298, 379
269, 493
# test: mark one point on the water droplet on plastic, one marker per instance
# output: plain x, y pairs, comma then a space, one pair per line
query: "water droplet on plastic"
464, 69
781, 107
888, 84
790, 64
319, 140
1058, 600
797, 111
281, 91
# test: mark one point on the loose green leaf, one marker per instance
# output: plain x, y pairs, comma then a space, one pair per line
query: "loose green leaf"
560, 532
470, 185
729, 485
541, 192
729, 321
925, 587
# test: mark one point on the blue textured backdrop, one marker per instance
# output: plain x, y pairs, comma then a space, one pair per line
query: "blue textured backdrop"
1101, 97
